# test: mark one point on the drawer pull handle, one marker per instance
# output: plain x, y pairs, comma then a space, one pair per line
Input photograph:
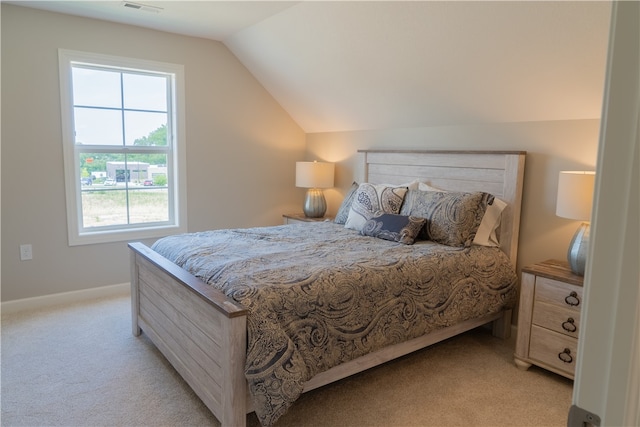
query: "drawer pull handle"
565, 356
569, 325
572, 299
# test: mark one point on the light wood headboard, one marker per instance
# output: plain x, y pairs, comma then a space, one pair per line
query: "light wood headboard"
500, 173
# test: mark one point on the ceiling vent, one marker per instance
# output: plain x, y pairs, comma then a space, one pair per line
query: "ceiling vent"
140, 6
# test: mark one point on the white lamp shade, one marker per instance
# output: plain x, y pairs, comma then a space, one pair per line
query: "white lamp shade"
575, 194
314, 174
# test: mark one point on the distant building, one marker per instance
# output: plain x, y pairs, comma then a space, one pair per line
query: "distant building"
129, 171
156, 170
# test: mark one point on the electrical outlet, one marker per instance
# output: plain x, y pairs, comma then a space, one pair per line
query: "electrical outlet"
26, 252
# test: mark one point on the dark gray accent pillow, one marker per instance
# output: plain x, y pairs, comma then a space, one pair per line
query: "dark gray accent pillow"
453, 218
345, 206
394, 227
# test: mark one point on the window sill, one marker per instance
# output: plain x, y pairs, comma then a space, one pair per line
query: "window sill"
124, 235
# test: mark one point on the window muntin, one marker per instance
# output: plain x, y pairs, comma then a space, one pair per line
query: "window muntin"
122, 143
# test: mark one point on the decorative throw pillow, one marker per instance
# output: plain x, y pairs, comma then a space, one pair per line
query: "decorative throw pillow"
487, 234
397, 228
452, 218
345, 206
371, 200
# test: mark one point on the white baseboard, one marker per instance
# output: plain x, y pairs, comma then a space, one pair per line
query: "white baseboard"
64, 298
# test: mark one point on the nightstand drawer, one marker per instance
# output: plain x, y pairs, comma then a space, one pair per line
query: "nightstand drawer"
554, 349
559, 293
559, 319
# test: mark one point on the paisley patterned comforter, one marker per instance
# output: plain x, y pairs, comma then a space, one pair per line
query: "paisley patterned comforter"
320, 294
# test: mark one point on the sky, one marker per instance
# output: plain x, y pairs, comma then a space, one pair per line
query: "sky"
104, 100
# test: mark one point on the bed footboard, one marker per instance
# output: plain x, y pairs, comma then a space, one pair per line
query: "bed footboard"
197, 328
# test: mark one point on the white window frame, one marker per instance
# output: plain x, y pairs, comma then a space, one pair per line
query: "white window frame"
177, 186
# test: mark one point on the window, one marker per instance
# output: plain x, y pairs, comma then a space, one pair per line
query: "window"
124, 146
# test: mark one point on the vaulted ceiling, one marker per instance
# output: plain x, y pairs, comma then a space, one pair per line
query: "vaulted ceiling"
352, 65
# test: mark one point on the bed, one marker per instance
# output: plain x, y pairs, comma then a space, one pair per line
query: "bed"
211, 333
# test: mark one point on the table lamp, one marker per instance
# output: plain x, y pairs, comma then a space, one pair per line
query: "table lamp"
575, 197
314, 176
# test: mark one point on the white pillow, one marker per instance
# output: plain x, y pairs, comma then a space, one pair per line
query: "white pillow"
487, 231
372, 200
486, 234
422, 186
413, 185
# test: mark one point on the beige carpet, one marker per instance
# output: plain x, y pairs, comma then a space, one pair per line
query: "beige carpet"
79, 365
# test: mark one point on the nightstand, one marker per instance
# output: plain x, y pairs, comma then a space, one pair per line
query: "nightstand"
299, 217
549, 318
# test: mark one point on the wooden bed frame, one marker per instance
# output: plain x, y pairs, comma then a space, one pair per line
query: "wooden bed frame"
203, 333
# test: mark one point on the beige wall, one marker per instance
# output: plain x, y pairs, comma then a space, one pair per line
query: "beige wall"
237, 135
241, 146
551, 147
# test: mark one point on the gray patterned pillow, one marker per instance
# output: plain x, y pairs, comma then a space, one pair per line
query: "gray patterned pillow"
453, 218
397, 228
371, 200
345, 206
